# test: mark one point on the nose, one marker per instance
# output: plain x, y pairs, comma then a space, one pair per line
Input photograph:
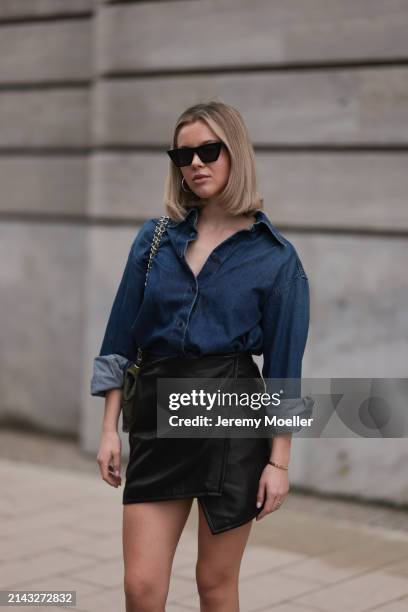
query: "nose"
196, 160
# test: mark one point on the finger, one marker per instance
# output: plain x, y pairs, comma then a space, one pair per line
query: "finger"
260, 496
276, 503
268, 507
117, 479
116, 463
279, 503
104, 471
107, 476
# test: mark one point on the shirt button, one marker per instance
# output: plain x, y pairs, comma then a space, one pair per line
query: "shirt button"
180, 323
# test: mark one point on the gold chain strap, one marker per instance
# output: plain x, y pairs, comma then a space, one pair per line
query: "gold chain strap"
157, 236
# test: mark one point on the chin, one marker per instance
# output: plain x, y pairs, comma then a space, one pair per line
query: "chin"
205, 193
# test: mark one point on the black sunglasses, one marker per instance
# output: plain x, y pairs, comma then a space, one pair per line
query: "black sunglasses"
183, 156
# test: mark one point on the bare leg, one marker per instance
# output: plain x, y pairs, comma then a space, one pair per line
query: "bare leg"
218, 565
151, 531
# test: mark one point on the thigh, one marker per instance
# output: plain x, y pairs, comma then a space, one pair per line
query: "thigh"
151, 531
222, 552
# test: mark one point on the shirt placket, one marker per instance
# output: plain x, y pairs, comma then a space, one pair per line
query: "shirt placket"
197, 284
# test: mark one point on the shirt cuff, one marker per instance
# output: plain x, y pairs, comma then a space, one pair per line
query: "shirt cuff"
301, 407
108, 373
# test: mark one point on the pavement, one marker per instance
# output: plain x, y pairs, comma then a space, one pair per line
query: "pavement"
60, 529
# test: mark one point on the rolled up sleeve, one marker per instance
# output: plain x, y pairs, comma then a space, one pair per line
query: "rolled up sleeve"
108, 373
118, 345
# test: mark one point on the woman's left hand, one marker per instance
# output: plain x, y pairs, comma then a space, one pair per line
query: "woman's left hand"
272, 490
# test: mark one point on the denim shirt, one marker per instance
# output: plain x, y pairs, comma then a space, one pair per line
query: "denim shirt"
252, 294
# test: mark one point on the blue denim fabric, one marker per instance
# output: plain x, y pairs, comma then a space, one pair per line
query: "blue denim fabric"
252, 294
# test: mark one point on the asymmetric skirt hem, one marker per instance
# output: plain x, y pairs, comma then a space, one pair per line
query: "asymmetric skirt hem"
148, 498
214, 530
241, 521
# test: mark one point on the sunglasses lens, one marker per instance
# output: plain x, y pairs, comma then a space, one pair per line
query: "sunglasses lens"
181, 157
209, 152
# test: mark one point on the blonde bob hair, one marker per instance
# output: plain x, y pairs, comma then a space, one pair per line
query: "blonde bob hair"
240, 195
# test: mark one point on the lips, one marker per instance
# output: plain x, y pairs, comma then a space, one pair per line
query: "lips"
200, 176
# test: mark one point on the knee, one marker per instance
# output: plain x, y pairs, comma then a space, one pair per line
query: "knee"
214, 584
143, 592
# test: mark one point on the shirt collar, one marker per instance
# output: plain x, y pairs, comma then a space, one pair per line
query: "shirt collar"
261, 218
191, 217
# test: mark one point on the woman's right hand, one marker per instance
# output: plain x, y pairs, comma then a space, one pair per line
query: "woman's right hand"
108, 458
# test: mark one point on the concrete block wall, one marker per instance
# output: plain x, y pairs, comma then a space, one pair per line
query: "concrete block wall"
45, 141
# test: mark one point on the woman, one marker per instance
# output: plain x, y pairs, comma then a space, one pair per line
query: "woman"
223, 285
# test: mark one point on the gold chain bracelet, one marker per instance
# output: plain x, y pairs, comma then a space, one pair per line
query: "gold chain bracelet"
282, 467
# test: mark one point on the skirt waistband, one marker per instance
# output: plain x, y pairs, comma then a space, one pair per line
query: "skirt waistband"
238, 364
149, 358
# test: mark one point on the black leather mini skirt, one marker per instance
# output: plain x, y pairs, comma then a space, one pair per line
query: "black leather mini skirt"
223, 473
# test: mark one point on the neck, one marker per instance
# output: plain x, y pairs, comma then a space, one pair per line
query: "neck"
211, 213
